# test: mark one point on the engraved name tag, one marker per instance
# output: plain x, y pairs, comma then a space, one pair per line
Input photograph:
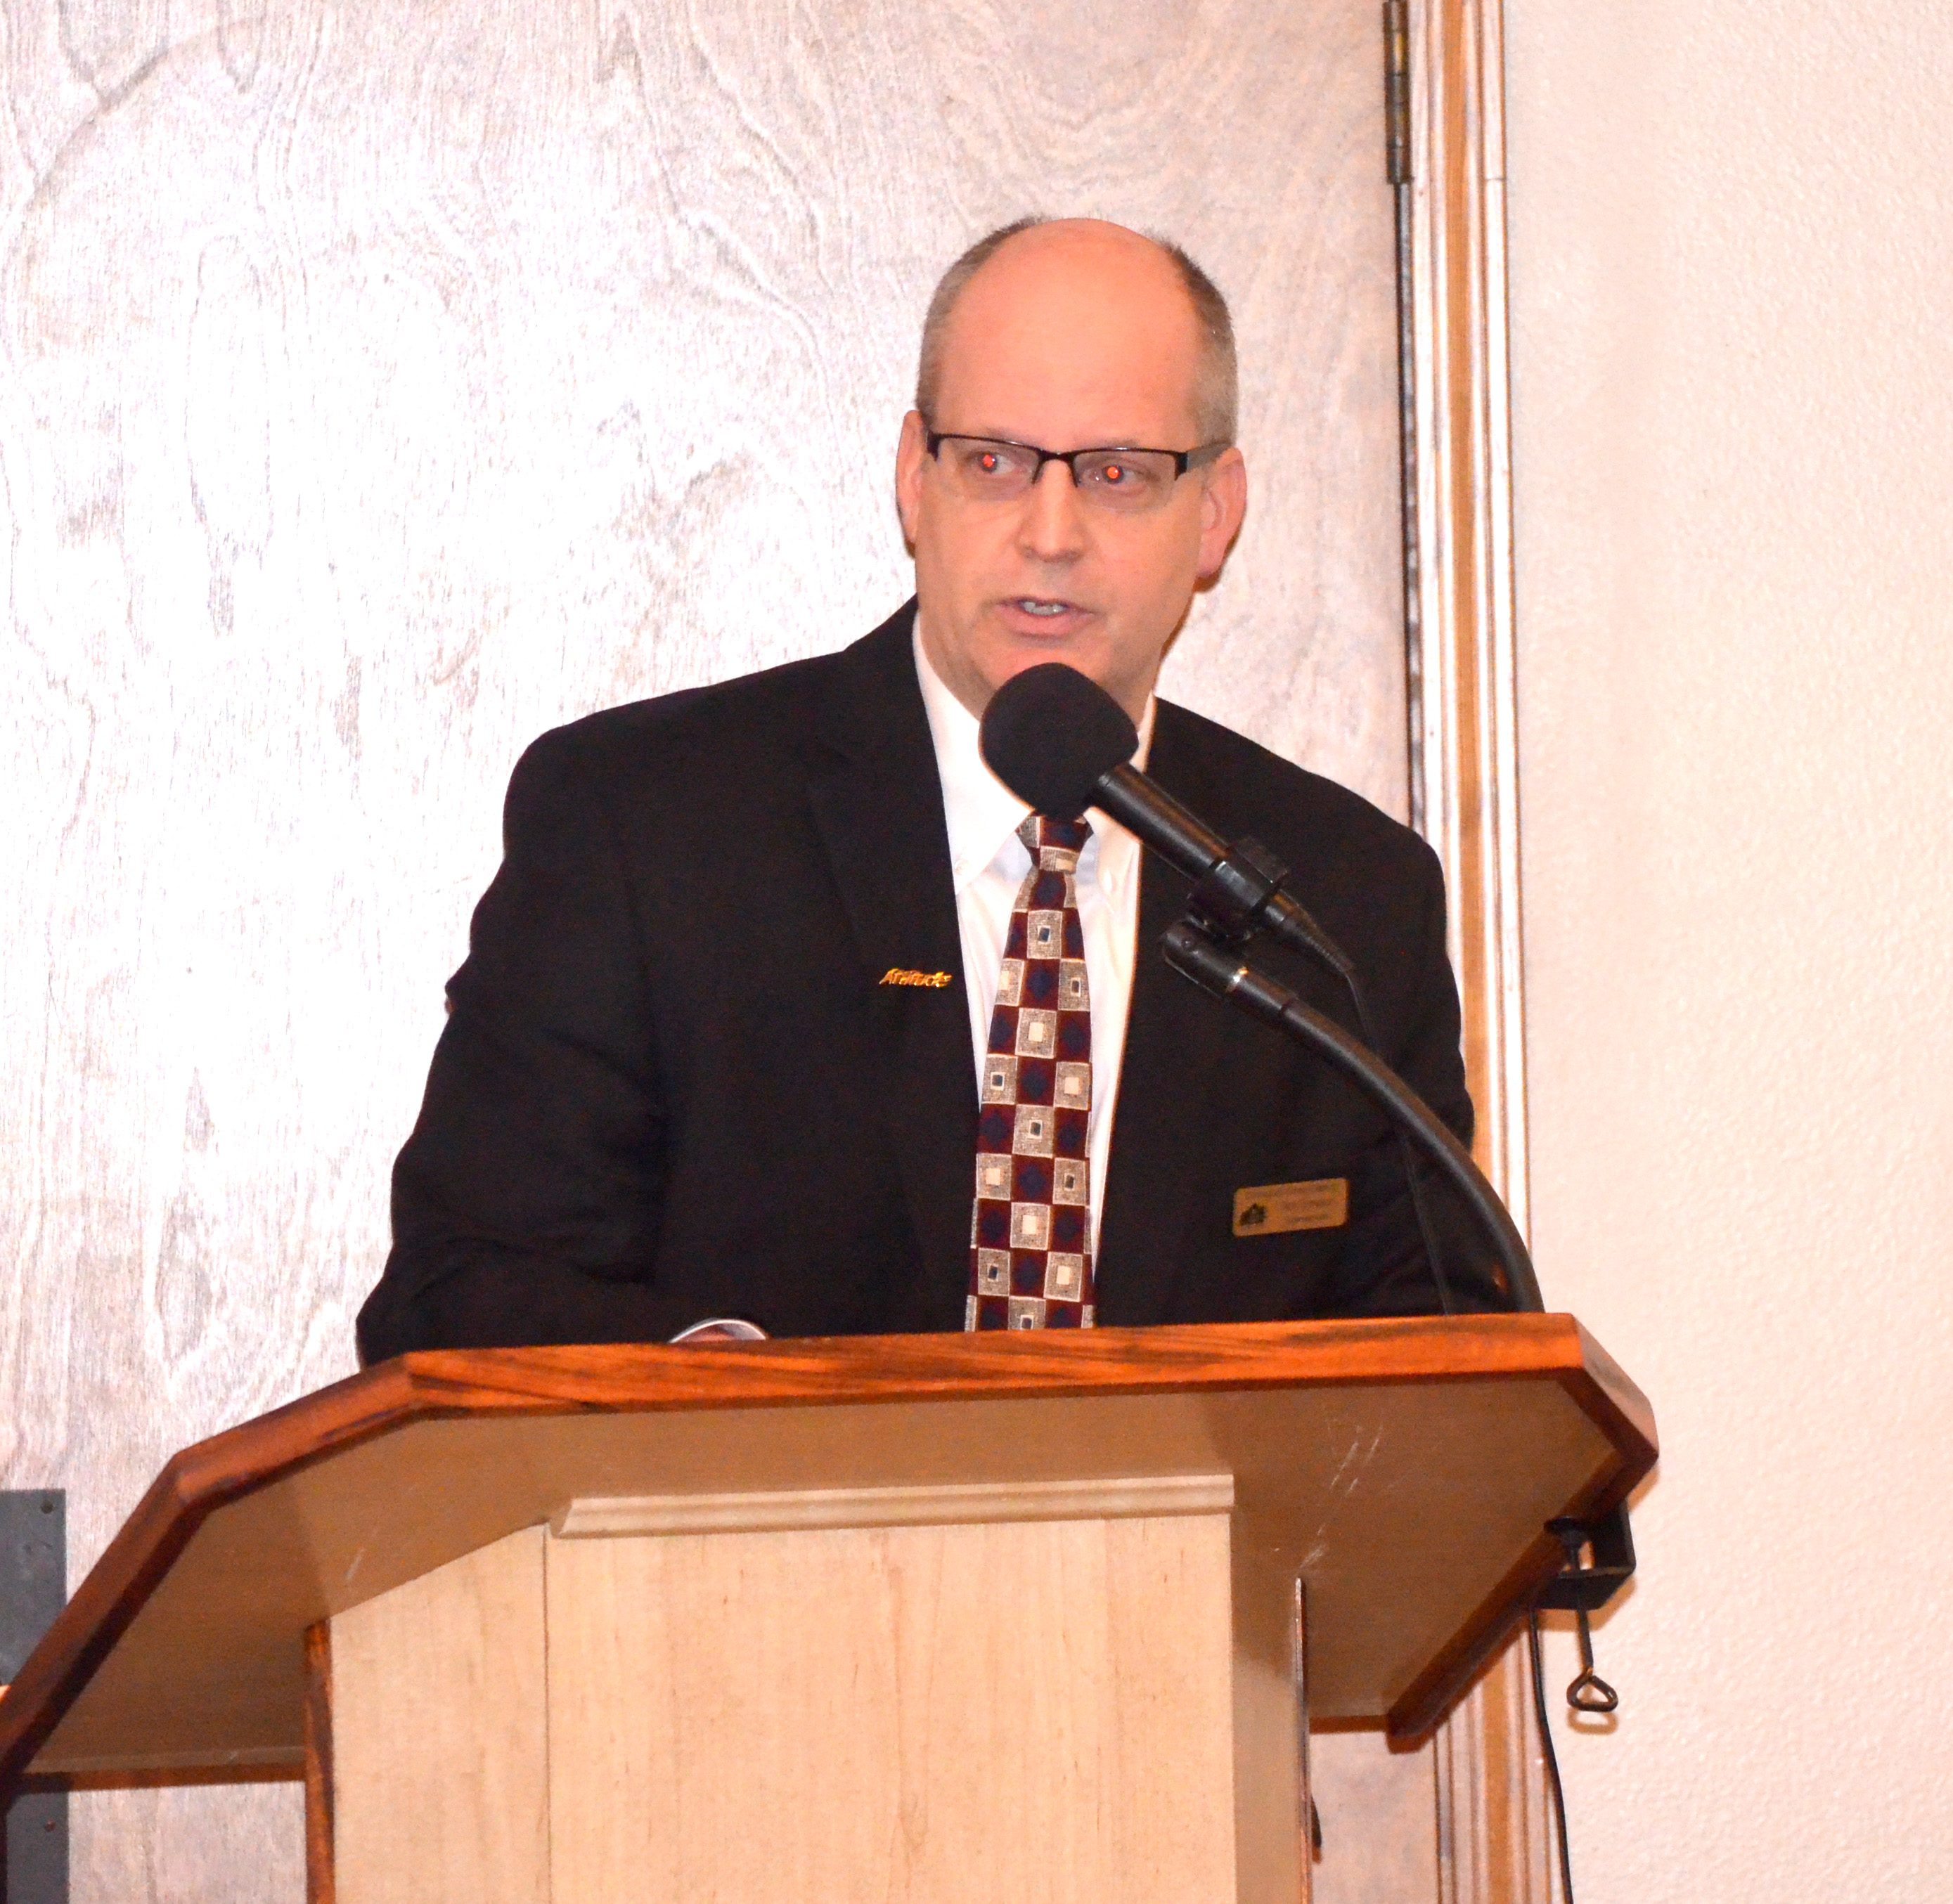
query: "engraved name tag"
1272, 1209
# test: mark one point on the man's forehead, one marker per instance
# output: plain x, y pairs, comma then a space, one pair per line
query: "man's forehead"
1090, 318
1086, 263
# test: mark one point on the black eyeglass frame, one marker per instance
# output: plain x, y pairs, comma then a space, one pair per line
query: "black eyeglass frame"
1197, 458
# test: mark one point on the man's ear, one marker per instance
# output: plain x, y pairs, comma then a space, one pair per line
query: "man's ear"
1224, 501
910, 452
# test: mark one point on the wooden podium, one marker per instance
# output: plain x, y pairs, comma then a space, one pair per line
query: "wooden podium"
938, 1618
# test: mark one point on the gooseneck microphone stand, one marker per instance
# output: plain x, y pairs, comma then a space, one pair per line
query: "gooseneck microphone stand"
1195, 952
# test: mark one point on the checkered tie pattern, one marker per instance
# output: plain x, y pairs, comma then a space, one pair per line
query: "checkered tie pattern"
1030, 1232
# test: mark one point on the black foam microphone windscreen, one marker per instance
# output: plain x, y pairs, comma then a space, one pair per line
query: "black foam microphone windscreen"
1051, 733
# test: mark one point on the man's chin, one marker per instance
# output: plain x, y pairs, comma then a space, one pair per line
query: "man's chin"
1090, 661
998, 647
1023, 657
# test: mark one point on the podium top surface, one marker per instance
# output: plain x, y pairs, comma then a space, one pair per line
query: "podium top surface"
1404, 1469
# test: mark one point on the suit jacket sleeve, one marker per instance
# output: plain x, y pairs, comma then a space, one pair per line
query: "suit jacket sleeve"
526, 1202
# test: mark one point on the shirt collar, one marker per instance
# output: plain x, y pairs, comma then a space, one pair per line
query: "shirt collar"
983, 815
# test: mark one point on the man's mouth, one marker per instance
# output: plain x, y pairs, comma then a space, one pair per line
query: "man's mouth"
1042, 619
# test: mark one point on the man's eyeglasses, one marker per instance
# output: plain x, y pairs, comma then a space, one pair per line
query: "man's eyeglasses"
1131, 481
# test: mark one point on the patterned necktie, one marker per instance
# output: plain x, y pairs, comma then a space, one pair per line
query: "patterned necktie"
1030, 1233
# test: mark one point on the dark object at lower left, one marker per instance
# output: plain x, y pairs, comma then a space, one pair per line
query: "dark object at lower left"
33, 1589
35, 1870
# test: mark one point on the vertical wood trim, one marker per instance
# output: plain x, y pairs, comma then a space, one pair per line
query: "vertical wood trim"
1493, 1835
1464, 624
320, 1888
1305, 1790
1493, 1841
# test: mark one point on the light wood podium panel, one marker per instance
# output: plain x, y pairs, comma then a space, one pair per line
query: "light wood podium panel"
440, 1745
968, 1711
662, 1621
930, 1710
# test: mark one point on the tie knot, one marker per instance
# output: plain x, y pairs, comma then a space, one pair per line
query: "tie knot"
1042, 834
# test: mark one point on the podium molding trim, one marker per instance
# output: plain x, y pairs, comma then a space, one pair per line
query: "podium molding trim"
1147, 1497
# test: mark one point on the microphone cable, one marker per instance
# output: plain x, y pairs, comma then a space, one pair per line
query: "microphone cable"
1555, 1789
1427, 1230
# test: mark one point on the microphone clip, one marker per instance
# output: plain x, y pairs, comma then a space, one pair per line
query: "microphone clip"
1230, 901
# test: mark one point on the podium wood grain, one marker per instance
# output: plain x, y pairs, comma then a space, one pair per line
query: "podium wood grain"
943, 1714
441, 1742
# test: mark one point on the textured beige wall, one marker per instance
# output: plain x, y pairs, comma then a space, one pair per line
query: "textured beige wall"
1732, 270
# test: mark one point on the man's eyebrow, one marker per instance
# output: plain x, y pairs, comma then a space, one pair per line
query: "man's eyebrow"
1126, 442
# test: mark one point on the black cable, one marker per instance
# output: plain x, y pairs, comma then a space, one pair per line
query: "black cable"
1425, 1227
1552, 1757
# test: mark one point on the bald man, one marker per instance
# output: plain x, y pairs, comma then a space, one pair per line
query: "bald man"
752, 1021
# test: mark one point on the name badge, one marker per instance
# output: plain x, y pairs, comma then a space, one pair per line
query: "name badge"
1274, 1209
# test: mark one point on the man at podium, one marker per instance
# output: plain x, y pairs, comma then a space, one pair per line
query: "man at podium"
782, 1006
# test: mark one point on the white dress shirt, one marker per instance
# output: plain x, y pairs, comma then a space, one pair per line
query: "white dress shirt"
988, 864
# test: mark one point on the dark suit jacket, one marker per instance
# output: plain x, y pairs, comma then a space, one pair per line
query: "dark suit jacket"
673, 1087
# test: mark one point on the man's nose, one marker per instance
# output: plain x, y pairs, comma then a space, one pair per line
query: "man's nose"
1053, 527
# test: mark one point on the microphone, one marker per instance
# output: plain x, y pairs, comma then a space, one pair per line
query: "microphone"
1061, 743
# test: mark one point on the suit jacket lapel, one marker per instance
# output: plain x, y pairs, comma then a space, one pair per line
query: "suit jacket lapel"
877, 801
1174, 1040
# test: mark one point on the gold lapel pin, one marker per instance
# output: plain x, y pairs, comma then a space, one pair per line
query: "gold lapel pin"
897, 974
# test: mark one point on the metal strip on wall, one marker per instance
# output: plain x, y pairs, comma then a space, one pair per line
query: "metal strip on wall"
33, 1589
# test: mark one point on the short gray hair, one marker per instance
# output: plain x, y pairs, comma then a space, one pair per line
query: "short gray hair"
1217, 383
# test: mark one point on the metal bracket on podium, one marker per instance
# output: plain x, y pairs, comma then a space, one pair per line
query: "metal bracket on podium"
1578, 1589
1581, 1589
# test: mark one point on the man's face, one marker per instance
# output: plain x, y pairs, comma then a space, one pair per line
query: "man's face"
1072, 337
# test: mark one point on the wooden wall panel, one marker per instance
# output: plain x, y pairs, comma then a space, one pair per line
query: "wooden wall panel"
382, 381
